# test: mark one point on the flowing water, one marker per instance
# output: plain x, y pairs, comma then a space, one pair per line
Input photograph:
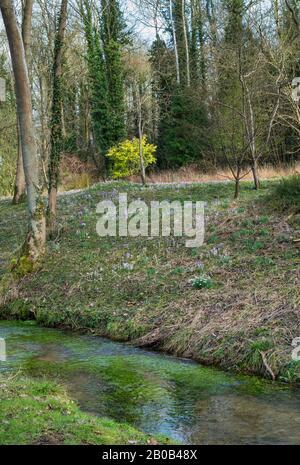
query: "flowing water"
156, 393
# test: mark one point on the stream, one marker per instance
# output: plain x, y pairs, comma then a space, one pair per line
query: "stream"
157, 393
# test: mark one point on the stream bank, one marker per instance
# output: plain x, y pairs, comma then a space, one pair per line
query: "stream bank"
127, 394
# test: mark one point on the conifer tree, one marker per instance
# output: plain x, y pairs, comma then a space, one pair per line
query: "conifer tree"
105, 38
113, 38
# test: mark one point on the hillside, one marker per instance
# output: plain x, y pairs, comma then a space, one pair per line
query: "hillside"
233, 302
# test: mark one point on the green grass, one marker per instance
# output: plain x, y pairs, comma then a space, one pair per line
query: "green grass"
36, 411
142, 290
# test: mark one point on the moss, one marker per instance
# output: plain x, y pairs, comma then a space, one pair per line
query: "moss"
40, 412
25, 266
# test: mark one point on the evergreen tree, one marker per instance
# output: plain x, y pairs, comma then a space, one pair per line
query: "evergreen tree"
105, 40
234, 24
231, 54
230, 49
113, 38
183, 131
182, 117
163, 87
290, 39
183, 41
98, 83
198, 65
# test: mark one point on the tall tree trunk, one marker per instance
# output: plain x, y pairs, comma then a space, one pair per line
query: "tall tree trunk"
56, 121
35, 242
26, 30
175, 42
250, 129
197, 53
212, 21
201, 39
141, 151
19, 191
277, 18
186, 45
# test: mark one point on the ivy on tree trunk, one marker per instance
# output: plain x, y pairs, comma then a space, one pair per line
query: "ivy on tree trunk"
56, 118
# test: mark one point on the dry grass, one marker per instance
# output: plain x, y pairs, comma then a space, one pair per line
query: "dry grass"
191, 174
76, 174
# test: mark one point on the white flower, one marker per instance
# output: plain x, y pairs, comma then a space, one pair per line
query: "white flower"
127, 266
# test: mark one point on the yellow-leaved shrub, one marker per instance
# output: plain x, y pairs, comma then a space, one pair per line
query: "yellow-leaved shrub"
126, 159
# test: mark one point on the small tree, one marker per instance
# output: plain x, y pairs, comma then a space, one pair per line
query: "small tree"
140, 108
229, 143
126, 157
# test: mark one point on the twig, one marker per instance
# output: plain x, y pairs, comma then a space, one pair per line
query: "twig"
267, 366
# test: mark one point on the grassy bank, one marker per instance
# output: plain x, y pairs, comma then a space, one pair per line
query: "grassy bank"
40, 412
233, 303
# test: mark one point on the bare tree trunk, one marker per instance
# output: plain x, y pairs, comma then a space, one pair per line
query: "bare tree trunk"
212, 21
35, 242
252, 142
175, 43
237, 183
237, 188
277, 18
141, 151
254, 169
56, 123
26, 30
20, 190
186, 45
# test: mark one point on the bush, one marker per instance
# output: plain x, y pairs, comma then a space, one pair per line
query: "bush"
286, 194
126, 159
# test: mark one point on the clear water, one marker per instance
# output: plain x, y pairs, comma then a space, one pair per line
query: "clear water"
154, 392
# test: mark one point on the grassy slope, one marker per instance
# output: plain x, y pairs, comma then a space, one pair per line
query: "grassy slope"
249, 316
40, 412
